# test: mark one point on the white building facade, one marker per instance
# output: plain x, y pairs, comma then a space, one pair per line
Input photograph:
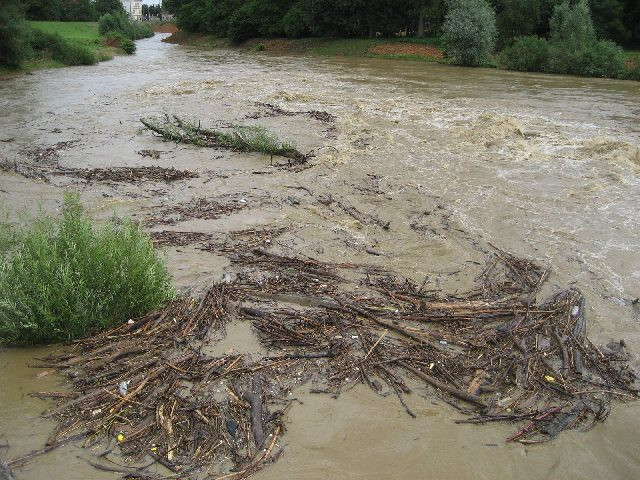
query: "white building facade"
133, 8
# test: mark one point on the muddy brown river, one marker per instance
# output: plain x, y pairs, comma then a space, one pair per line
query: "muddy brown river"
546, 167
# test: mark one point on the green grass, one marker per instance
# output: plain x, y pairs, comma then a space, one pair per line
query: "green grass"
64, 278
351, 47
78, 37
85, 32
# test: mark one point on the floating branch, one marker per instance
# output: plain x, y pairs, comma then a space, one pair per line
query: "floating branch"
240, 138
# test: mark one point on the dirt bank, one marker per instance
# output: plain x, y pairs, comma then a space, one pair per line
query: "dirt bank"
165, 28
358, 47
408, 49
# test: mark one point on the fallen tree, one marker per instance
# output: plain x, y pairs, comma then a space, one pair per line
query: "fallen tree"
240, 138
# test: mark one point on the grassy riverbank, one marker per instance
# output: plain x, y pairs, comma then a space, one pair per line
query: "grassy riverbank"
402, 48
49, 44
423, 49
83, 33
79, 36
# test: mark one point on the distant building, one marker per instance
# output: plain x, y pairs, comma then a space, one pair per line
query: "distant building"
133, 8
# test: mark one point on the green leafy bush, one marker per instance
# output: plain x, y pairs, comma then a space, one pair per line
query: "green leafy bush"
602, 59
64, 51
117, 39
294, 22
14, 35
240, 27
128, 46
142, 30
527, 54
572, 49
469, 32
120, 22
114, 22
64, 279
571, 27
632, 72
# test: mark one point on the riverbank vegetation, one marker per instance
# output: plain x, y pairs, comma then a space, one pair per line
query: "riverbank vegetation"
33, 44
554, 36
65, 278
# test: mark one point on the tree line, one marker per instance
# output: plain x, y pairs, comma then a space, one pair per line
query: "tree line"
616, 20
78, 10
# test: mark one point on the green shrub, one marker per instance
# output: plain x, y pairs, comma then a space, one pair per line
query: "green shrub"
527, 54
64, 279
602, 59
631, 72
117, 39
469, 32
294, 23
115, 36
64, 51
73, 53
128, 46
571, 28
574, 46
120, 22
240, 28
14, 35
142, 30
113, 22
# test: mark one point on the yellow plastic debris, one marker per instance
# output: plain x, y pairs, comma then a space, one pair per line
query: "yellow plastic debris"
549, 379
120, 437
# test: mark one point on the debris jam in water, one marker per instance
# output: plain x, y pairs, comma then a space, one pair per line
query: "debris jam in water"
494, 353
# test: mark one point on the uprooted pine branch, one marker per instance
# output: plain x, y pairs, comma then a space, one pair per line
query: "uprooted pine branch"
241, 138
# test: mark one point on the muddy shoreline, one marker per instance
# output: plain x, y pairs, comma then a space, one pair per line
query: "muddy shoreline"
360, 182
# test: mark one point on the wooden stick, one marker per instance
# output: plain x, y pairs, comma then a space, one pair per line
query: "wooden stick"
442, 386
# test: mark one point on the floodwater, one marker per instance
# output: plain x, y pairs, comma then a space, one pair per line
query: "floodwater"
547, 167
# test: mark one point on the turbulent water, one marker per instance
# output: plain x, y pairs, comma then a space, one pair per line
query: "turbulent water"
547, 167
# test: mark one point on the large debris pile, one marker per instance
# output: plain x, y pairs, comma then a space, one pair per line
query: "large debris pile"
495, 353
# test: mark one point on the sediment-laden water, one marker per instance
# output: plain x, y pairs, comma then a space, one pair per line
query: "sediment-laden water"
547, 167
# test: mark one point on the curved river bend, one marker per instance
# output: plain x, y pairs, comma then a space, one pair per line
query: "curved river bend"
547, 167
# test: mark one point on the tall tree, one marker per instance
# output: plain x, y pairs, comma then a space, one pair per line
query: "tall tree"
516, 18
44, 9
469, 31
572, 26
14, 34
79, 10
608, 19
108, 6
632, 21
